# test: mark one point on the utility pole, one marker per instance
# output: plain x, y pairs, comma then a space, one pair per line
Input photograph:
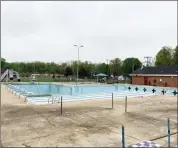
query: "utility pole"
133, 67
148, 60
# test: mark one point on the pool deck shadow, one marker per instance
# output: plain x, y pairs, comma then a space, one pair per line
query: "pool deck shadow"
86, 123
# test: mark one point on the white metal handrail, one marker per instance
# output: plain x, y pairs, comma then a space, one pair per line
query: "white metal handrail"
53, 99
28, 96
57, 97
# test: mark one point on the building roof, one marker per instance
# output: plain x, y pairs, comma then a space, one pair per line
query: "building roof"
171, 70
101, 75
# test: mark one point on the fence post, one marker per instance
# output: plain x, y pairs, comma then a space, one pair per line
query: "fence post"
125, 104
61, 105
123, 137
169, 136
112, 101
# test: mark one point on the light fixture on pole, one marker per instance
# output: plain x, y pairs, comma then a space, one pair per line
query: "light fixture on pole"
78, 47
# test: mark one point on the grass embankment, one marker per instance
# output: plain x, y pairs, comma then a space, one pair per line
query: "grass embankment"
50, 79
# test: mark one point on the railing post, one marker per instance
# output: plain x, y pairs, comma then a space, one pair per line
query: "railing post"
123, 137
61, 105
52, 100
112, 100
169, 135
125, 104
25, 99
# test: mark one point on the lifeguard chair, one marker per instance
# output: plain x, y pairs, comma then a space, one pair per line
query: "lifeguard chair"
33, 78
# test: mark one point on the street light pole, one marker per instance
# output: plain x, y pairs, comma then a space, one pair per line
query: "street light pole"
107, 66
78, 47
107, 70
77, 65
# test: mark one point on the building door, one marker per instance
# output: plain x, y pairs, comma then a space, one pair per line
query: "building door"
145, 80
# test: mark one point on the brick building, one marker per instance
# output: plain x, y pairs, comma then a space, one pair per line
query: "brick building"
166, 76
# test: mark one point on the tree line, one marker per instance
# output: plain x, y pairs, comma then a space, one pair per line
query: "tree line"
167, 56
86, 69
116, 67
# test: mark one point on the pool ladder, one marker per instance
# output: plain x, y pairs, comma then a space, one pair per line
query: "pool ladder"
54, 99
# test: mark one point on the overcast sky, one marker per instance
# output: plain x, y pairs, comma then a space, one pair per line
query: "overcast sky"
46, 31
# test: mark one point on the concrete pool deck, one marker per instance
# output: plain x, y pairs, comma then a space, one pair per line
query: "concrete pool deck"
86, 123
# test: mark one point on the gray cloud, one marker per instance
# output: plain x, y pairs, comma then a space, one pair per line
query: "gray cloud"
46, 31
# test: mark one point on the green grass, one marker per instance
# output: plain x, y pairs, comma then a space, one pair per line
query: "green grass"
80, 80
50, 79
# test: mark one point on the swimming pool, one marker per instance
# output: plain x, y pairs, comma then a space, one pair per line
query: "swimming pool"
41, 93
67, 90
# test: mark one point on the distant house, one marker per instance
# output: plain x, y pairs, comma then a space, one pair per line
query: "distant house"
156, 76
123, 78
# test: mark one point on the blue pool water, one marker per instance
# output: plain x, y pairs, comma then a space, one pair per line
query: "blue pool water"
74, 93
68, 90
77, 90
